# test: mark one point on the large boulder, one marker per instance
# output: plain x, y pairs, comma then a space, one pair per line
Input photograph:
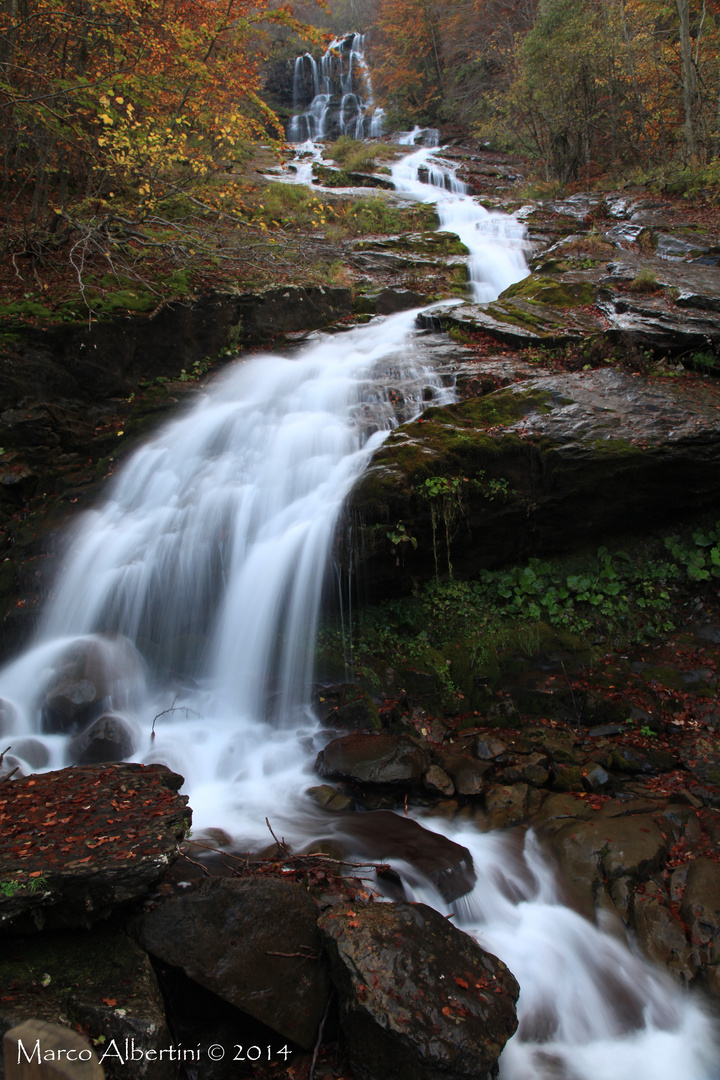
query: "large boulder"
544, 466
93, 673
253, 942
373, 759
76, 843
419, 999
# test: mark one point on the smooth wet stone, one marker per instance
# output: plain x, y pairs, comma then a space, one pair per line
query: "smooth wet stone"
488, 747
107, 739
329, 798
467, 773
383, 836
419, 999
373, 759
229, 935
34, 752
89, 674
700, 910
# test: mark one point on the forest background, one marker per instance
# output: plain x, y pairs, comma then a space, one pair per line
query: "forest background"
126, 125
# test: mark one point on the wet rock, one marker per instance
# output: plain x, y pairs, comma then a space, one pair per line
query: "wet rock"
98, 979
227, 935
11, 766
107, 739
32, 751
419, 999
386, 837
373, 759
506, 805
603, 849
92, 673
700, 911
436, 779
569, 778
488, 747
76, 843
388, 301
595, 777
660, 934
280, 309
467, 774
584, 455
533, 769
329, 798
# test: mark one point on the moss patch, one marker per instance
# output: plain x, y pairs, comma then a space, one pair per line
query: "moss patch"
546, 290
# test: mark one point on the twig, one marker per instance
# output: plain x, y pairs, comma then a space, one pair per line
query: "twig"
195, 863
295, 955
180, 708
9, 776
4, 753
318, 1042
280, 843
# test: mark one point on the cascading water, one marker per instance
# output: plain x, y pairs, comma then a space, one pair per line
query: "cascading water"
195, 590
342, 97
495, 241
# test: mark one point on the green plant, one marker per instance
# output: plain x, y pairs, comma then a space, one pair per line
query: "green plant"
644, 282
701, 562
443, 494
397, 536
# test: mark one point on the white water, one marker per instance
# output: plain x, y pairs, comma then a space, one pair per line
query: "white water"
210, 553
343, 102
496, 241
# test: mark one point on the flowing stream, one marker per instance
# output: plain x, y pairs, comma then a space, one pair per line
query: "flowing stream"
194, 590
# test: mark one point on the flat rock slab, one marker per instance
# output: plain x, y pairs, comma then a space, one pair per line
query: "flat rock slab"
100, 979
76, 843
419, 999
253, 942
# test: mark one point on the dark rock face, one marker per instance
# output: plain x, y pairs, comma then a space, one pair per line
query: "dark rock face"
552, 463
419, 999
99, 979
228, 935
373, 759
76, 843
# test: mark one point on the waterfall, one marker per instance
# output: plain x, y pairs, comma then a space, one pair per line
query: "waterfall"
496, 241
195, 588
343, 103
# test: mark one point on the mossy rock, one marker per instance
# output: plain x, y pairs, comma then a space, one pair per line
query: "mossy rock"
551, 291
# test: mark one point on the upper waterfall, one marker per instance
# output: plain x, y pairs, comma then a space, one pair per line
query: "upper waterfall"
335, 93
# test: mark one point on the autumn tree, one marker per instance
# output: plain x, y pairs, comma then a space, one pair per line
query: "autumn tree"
115, 94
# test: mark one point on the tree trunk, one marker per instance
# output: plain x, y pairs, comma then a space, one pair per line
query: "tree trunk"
688, 75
